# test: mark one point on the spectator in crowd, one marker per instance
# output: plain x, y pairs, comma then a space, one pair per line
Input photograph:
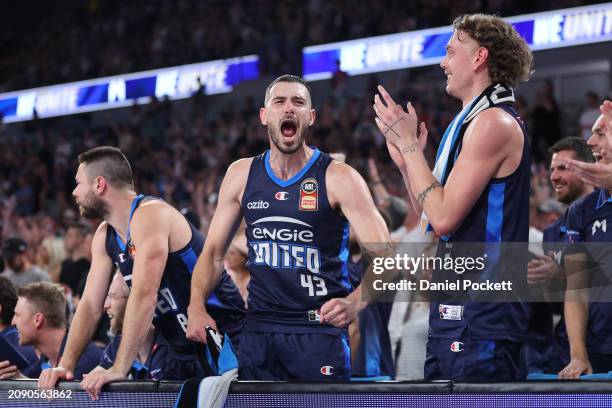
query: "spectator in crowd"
49, 256
151, 359
545, 121
75, 268
40, 319
8, 300
21, 270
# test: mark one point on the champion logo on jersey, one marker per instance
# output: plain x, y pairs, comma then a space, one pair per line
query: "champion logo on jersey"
456, 346
281, 195
309, 199
327, 370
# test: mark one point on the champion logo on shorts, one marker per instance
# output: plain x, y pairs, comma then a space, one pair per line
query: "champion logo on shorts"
456, 346
327, 370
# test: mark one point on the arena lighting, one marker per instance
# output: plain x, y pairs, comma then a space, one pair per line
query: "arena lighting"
117, 91
554, 29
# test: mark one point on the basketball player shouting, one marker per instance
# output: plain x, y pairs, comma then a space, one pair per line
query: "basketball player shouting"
297, 203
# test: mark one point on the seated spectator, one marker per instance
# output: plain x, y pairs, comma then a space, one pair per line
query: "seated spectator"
40, 318
8, 300
50, 255
20, 270
152, 354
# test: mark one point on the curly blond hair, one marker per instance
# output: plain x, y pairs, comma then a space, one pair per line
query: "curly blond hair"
510, 59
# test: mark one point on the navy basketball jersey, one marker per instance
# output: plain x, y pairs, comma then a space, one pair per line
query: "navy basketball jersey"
500, 215
170, 317
298, 246
587, 221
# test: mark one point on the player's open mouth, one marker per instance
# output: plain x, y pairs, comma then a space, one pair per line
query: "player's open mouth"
288, 127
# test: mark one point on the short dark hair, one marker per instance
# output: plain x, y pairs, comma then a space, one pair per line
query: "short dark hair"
510, 60
109, 162
8, 300
47, 298
576, 145
286, 78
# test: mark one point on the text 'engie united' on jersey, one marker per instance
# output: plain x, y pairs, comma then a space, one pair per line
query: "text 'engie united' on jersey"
298, 244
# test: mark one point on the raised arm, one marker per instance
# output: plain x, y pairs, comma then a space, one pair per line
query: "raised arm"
492, 147
209, 266
348, 191
87, 314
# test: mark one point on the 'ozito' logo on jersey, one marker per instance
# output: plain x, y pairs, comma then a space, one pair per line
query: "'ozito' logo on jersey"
599, 224
281, 195
456, 346
309, 195
258, 205
327, 370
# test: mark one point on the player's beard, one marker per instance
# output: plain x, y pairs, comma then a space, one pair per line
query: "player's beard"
92, 207
116, 323
276, 136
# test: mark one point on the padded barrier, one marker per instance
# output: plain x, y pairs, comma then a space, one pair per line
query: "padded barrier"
537, 393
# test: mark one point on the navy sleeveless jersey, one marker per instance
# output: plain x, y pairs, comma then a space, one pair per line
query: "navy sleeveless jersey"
587, 221
298, 247
501, 214
225, 305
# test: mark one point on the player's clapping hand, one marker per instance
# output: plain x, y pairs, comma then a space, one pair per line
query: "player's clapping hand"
543, 269
606, 111
197, 321
595, 174
399, 127
575, 368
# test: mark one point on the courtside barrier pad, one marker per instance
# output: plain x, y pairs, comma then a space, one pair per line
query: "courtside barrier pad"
417, 394
535, 387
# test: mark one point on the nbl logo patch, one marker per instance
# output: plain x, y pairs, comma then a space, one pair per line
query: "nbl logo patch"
309, 199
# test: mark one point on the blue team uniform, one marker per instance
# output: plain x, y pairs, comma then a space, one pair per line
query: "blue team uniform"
471, 340
540, 351
88, 361
298, 252
225, 305
33, 370
373, 357
153, 367
587, 223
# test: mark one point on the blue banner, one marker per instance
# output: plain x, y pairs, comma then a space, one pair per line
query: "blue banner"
123, 90
554, 29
